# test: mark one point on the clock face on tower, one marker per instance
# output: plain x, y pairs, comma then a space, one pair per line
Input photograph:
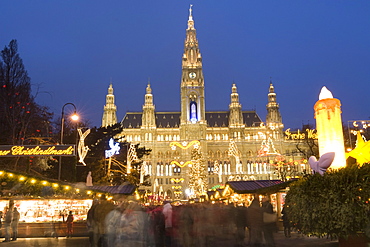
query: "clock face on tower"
192, 75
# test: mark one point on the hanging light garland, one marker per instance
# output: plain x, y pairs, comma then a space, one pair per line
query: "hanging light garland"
34, 183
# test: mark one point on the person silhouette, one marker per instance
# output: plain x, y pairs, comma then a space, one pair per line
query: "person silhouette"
69, 222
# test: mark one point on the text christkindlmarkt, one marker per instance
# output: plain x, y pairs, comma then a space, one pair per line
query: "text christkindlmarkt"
37, 150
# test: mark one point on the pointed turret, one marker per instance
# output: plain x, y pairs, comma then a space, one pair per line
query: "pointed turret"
110, 109
236, 116
192, 81
273, 117
148, 119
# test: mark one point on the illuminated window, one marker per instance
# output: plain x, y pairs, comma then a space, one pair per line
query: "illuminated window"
193, 112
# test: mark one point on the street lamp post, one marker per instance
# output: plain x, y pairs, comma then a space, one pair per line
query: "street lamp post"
73, 117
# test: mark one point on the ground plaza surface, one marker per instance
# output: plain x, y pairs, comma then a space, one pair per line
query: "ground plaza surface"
296, 240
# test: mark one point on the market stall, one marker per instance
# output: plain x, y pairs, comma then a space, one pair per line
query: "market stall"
49, 210
244, 192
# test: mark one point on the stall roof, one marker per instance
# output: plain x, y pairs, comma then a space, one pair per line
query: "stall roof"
257, 186
126, 189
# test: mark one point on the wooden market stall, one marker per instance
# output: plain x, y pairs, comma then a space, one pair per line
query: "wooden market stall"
244, 192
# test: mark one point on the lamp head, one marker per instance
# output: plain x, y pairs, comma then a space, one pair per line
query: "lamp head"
74, 117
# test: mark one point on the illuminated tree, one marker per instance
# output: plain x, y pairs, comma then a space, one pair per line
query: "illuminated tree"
22, 118
97, 141
198, 173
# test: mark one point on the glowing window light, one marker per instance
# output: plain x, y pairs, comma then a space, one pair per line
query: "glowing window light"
33, 181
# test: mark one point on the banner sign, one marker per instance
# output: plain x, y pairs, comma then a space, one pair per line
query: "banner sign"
37, 150
300, 135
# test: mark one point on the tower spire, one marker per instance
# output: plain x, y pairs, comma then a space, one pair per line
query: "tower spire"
236, 116
190, 21
110, 109
192, 81
273, 118
148, 118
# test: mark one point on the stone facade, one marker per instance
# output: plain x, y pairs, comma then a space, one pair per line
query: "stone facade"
235, 144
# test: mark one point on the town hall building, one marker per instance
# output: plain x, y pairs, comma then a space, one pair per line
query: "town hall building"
195, 149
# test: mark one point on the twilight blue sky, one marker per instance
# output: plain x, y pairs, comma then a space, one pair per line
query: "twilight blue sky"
73, 49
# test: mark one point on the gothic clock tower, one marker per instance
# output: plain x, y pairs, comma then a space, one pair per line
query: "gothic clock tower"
192, 84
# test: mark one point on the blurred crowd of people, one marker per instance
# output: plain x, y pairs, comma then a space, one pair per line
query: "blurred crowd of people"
10, 220
129, 224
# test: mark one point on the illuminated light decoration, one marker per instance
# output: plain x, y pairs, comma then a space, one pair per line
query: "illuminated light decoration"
114, 148
137, 195
234, 151
184, 145
310, 134
143, 171
99, 195
177, 192
362, 150
329, 127
37, 183
156, 184
176, 187
37, 150
198, 182
218, 170
181, 164
89, 192
177, 180
226, 190
266, 148
81, 148
131, 157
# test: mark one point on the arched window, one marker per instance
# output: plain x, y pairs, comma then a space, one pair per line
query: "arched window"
193, 112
